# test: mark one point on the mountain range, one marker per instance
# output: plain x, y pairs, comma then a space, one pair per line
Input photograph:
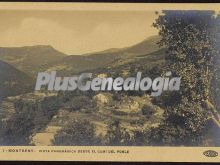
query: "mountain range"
19, 65
74, 64
33, 59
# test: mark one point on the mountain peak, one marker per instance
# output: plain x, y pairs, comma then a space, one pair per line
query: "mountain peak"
144, 47
36, 57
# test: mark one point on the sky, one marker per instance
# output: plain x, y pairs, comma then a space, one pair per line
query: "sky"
75, 32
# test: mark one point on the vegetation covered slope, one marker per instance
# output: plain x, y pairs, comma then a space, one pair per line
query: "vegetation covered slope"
30, 59
13, 81
33, 59
75, 64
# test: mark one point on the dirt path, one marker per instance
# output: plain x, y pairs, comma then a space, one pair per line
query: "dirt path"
45, 137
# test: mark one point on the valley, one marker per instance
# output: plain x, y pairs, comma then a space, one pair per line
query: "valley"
48, 113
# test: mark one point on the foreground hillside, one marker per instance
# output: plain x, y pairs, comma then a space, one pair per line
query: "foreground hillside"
13, 81
134, 111
45, 118
50, 113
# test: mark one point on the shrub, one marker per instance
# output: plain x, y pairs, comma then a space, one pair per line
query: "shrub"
148, 110
116, 135
77, 133
79, 102
183, 125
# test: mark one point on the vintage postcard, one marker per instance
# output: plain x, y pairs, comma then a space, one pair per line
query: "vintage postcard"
110, 82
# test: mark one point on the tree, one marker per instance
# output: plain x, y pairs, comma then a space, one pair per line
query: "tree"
79, 102
188, 38
117, 135
29, 117
216, 82
77, 133
20, 125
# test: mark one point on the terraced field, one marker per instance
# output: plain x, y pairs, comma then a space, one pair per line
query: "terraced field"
131, 119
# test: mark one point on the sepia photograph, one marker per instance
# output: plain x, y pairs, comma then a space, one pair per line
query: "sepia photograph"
129, 76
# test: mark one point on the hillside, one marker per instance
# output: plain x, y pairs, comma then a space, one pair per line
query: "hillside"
100, 108
110, 106
146, 46
147, 64
31, 59
74, 64
13, 81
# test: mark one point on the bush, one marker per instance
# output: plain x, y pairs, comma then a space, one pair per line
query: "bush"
148, 110
117, 97
116, 135
77, 133
79, 102
183, 125
168, 98
29, 117
18, 128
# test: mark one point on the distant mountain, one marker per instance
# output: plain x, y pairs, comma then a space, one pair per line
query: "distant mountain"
13, 81
75, 64
31, 59
129, 67
147, 46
